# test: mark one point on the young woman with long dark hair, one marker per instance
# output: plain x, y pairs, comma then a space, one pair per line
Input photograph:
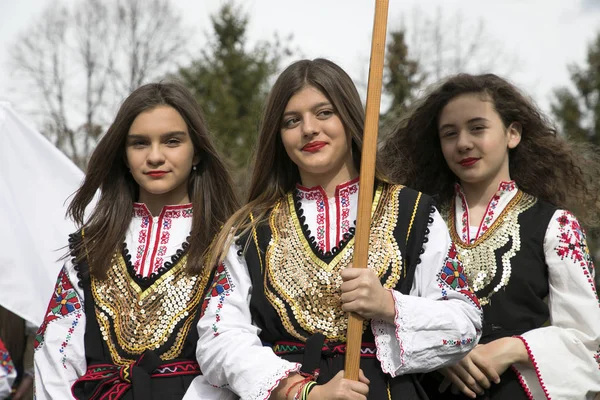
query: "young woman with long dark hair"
121, 322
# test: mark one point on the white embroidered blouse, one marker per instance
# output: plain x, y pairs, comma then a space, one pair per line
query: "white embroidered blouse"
426, 334
572, 340
152, 240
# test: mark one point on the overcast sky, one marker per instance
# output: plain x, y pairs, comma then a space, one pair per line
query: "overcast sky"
543, 36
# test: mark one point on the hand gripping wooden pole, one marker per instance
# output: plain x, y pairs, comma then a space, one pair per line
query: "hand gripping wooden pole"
367, 178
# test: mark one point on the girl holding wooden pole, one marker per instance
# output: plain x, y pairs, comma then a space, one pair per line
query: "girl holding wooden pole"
274, 323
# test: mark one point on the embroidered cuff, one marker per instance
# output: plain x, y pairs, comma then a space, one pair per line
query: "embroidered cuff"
388, 339
264, 389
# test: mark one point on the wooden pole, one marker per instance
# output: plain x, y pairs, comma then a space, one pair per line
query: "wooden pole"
367, 178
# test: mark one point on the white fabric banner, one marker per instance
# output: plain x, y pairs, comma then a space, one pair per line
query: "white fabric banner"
36, 180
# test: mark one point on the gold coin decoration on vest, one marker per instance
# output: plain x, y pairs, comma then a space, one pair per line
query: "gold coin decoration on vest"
303, 283
146, 319
479, 258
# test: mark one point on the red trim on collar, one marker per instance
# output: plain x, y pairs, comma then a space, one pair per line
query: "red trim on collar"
299, 186
141, 210
503, 185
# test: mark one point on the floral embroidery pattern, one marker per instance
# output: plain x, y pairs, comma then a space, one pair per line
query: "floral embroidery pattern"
64, 302
572, 245
318, 197
597, 357
64, 344
443, 290
5, 361
452, 272
221, 288
453, 276
159, 249
142, 239
329, 217
343, 207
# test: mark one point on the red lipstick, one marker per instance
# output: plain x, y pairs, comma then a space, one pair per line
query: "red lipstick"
469, 161
156, 174
313, 147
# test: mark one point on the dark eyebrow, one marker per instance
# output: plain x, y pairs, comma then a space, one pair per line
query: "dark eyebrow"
162, 135
472, 120
478, 119
316, 106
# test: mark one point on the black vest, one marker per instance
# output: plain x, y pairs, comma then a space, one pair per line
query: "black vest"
164, 372
298, 342
518, 305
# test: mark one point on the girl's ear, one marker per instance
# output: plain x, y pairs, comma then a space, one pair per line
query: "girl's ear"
196, 159
514, 134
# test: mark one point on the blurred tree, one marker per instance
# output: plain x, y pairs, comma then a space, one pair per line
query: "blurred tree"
577, 109
79, 62
230, 80
402, 75
431, 47
445, 43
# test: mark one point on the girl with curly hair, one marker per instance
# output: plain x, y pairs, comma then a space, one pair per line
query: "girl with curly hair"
505, 182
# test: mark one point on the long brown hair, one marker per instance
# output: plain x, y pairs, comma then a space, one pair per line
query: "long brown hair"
209, 186
543, 164
274, 173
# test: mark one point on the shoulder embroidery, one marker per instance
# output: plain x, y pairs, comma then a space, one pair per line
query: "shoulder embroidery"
453, 276
572, 245
221, 288
65, 301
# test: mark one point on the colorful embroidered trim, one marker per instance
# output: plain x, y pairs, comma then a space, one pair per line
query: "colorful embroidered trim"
113, 381
367, 350
535, 366
523, 383
457, 343
65, 343
221, 288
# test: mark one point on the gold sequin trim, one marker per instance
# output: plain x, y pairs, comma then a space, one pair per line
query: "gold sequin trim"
479, 257
132, 320
255, 237
300, 281
412, 220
